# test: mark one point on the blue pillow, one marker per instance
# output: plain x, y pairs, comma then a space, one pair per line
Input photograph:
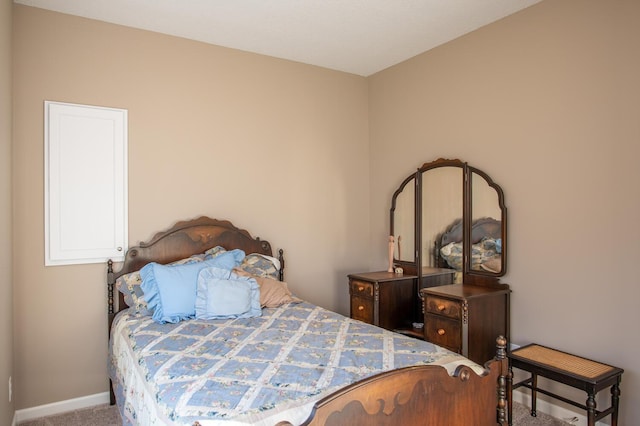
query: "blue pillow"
222, 294
129, 286
226, 260
170, 291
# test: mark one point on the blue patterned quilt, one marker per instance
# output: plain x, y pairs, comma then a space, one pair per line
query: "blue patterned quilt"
251, 371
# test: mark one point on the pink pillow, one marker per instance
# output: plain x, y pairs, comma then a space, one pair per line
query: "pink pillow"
273, 293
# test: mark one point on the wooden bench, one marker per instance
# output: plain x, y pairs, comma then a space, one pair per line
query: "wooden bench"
571, 370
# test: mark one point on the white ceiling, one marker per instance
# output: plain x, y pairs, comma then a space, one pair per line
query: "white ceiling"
356, 36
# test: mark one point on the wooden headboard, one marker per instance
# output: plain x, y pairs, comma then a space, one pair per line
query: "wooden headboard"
182, 240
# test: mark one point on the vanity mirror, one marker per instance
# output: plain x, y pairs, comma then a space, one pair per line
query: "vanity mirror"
448, 220
450, 215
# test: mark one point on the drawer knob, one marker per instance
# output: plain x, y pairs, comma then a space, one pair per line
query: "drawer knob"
361, 288
361, 308
441, 307
441, 331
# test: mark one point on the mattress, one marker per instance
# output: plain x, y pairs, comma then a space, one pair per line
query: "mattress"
252, 371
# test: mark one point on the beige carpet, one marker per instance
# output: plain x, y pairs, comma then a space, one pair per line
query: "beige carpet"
100, 415
105, 415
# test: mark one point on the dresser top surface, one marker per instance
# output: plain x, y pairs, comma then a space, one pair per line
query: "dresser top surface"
462, 291
381, 276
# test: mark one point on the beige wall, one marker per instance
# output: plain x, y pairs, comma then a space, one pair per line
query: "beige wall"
279, 148
546, 102
6, 310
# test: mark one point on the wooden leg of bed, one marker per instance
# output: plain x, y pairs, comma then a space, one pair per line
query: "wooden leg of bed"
112, 395
503, 382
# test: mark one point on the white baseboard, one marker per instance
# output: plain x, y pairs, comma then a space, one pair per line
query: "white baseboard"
60, 407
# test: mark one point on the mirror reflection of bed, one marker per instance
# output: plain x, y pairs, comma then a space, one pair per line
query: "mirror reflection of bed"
486, 246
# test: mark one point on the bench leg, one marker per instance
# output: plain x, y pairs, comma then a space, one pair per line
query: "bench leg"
510, 396
591, 410
615, 401
534, 393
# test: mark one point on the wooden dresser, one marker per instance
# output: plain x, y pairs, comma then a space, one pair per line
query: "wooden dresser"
391, 300
384, 299
466, 319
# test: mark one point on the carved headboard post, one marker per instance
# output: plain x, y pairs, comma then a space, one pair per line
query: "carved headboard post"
281, 259
110, 283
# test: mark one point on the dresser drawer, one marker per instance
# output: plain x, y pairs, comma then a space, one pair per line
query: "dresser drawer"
361, 288
443, 332
362, 309
444, 307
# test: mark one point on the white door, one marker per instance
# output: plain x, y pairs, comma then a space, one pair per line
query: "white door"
85, 183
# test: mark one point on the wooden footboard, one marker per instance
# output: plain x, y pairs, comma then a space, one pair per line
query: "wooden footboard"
422, 395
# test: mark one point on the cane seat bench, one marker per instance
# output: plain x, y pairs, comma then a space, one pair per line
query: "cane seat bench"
581, 373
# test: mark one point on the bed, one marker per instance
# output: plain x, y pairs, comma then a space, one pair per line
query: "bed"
280, 360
